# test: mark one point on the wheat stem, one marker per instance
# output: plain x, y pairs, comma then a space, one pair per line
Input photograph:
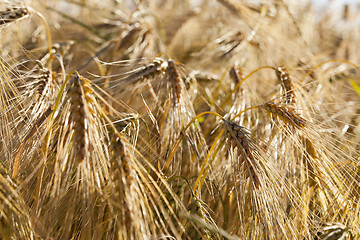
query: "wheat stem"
247, 109
203, 172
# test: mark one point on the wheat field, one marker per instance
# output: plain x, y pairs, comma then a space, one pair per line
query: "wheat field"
179, 119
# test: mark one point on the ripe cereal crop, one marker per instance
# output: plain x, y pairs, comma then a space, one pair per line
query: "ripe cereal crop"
152, 119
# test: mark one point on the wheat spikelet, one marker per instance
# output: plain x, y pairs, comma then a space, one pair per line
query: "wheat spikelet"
173, 77
136, 200
334, 231
46, 88
12, 15
148, 71
134, 38
44, 78
37, 87
131, 223
76, 165
37, 92
284, 78
260, 181
179, 111
202, 77
224, 47
81, 115
235, 74
286, 114
241, 139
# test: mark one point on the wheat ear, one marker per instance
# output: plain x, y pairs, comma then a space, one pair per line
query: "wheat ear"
131, 223
284, 78
240, 137
81, 99
12, 15
173, 77
285, 113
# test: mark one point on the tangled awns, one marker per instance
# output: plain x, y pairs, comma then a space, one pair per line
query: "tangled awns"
179, 119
